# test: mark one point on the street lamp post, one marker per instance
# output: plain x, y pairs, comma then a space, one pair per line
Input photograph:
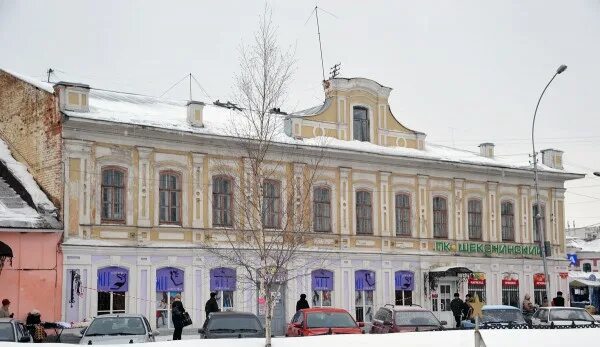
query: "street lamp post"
538, 216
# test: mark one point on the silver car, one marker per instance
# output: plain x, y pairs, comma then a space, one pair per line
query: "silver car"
11, 330
117, 329
562, 316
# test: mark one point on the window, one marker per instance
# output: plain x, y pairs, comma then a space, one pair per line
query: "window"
322, 209
361, 124
222, 202
271, 204
364, 213
542, 222
507, 213
170, 197
587, 267
403, 297
404, 284
322, 287
474, 210
403, 215
113, 195
364, 295
111, 302
510, 292
440, 217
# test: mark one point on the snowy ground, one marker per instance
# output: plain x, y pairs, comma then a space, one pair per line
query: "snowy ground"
457, 338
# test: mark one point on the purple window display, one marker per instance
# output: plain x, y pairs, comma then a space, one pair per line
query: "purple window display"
169, 279
222, 278
113, 279
322, 280
364, 280
404, 280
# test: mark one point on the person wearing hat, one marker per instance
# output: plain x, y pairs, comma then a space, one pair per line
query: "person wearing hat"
4, 311
302, 303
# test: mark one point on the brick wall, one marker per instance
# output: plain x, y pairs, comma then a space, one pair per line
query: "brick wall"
30, 124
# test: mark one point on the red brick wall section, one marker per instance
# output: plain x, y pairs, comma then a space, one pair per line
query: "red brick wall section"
30, 123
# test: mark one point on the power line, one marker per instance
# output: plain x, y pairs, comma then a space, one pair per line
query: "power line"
173, 86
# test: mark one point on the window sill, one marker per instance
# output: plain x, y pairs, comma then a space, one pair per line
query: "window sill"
113, 222
175, 226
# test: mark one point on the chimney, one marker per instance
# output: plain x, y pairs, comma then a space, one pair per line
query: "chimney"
486, 150
73, 96
552, 158
195, 113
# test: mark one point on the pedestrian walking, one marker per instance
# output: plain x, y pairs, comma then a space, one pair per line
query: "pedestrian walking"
545, 302
467, 309
5, 310
528, 308
302, 303
211, 305
558, 300
456, 305
177, 311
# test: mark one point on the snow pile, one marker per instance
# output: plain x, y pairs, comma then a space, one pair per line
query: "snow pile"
20, 172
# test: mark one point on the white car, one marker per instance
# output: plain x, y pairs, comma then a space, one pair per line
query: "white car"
562, 316
118, 329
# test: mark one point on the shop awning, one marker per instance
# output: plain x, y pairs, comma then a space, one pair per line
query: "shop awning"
451, 270
578, 283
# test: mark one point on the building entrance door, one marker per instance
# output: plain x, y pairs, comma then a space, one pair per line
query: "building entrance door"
440, 301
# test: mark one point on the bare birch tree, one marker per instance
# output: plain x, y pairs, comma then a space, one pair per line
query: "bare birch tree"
269, 189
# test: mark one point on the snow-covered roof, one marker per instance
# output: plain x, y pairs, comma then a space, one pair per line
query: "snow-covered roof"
156, 112
312, 110
584, 246
15, 212
49, 87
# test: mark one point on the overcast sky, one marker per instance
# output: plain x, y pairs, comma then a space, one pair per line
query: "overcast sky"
463, 72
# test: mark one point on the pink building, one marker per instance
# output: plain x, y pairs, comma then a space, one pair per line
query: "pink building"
31, 233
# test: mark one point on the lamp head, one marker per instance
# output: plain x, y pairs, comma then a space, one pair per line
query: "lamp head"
561, 69
597, 173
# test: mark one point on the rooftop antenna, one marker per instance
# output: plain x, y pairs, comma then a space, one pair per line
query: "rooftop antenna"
334, 71
190, 86
316, 12
49, 72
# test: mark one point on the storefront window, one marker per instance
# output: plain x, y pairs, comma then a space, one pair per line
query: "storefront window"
404, 284
113, 284
322, 287
169, 285
223, 282
539, 288
364, 284
476, 285
510, 291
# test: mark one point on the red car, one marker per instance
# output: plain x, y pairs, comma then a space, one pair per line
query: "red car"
323, 321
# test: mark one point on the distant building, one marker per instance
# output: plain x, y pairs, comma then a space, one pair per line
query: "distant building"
588, 233
403, 220
32, 278
584, 273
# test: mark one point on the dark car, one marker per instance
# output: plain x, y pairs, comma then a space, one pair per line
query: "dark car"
323, 321
223, 325
12, 330
397, 319
495, 316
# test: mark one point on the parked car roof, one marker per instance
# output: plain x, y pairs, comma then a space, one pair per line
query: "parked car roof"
122, 315
561, 308
406, 308
6, 320
232, 313
323, 309
499, 307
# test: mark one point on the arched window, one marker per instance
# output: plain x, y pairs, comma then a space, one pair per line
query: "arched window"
403, 214
322, 209
474, 211
271, 204
507, 214
542, 221
170, 197
113, 195
440, 217
361, 126
222, 201
587, 267
364, 212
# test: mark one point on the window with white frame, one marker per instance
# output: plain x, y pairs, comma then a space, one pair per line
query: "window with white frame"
440, 217
507, 215
271, 204
113, 194
360, 124
169, 197
222, 201
474, 218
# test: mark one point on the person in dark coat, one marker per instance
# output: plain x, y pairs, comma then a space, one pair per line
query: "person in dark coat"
302, 303
211, 305
467, 309
456, 305
177, 311
558, 300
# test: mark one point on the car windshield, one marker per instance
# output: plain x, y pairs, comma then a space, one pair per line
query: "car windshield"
6, 332
570, 314
116, 326
330, 320
502, 315
416, 318
234, 323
